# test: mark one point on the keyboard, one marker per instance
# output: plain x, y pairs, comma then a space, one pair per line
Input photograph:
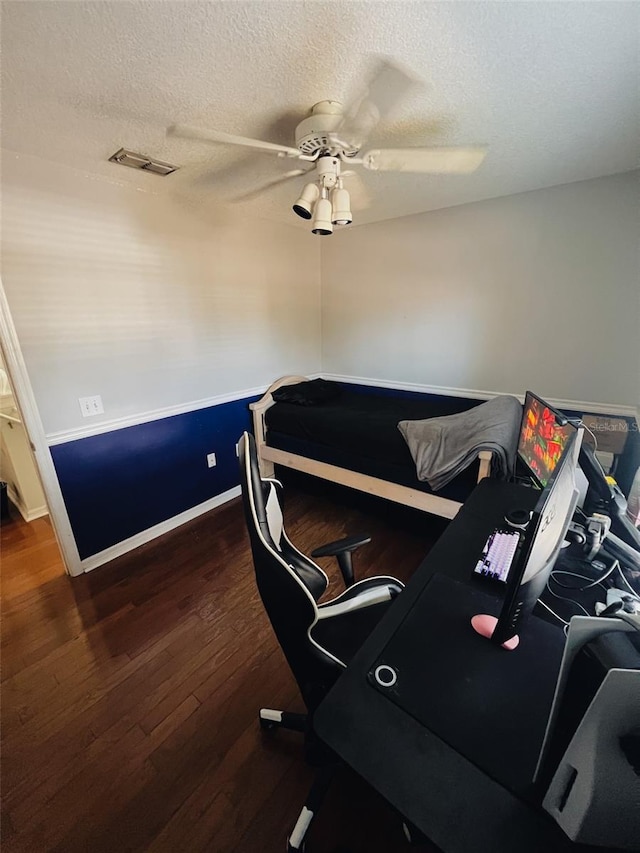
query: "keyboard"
497, 555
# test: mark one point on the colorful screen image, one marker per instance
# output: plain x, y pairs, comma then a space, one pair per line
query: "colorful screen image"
542, 438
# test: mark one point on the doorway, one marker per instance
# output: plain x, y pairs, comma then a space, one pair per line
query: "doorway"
29, 551
32, 496
19, 479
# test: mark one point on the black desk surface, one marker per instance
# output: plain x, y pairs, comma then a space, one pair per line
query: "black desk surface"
408, 750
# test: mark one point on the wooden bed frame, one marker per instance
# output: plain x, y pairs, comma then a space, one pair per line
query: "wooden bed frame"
268, 456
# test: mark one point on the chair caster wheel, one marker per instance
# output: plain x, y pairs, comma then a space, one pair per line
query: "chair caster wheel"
269, 719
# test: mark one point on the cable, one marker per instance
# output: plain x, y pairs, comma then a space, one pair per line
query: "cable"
573, 575
570, 600
595, 440
593, 583
553, 613
615, 565
570, 586
626, 582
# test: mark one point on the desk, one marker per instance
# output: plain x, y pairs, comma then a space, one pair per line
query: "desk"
428, 777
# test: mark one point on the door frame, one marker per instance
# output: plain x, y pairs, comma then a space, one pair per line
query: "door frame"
26, 403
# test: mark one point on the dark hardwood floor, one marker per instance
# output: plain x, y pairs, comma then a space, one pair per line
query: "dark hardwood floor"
130, 695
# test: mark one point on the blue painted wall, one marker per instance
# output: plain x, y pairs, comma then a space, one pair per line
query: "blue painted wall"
122, 482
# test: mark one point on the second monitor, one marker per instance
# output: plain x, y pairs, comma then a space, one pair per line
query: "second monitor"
544, 433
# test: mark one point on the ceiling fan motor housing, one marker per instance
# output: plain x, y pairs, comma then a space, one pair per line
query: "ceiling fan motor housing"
314, 133
328, 170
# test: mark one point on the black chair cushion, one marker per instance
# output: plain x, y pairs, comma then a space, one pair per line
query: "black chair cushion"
344, 634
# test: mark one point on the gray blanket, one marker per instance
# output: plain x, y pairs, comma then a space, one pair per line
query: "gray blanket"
443, 447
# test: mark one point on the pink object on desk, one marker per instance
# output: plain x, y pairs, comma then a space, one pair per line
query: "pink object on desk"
485, 625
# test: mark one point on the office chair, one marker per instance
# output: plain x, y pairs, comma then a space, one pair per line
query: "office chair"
318, 640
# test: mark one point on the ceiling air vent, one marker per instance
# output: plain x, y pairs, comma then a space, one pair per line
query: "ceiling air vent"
140, 161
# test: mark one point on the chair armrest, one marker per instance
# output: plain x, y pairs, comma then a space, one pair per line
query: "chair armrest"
342, 550
349, 543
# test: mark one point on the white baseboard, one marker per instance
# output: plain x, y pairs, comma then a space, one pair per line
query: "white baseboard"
120, 548
475, 394
28, 513
32, 514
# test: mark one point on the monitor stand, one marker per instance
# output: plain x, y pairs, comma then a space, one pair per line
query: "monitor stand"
485, 625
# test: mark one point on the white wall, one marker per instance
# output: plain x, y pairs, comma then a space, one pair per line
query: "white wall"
145, 301
539, 290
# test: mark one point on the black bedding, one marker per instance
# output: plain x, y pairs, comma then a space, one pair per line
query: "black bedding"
359, 431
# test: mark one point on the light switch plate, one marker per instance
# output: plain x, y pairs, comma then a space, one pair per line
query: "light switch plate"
90, 406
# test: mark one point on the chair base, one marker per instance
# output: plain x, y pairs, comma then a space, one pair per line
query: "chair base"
316, 754
326, 763
324, 776
272, 719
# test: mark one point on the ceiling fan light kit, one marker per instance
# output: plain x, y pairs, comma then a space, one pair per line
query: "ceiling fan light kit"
341, 205
332, 134
325, 201
308, 197
322, 223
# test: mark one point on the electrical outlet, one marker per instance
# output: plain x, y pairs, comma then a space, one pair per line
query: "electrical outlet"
90, 406
211, 460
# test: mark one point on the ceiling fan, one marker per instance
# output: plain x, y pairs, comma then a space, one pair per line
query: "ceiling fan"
333, 136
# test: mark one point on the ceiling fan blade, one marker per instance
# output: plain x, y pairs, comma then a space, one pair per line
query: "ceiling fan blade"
360, 196
189, 132
389, 84
459, 160
288, 176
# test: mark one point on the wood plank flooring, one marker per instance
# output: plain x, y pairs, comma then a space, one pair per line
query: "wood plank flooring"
130, 695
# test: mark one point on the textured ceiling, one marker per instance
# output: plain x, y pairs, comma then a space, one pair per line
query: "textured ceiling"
552, 87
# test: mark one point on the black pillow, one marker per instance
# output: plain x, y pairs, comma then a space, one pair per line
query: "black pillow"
315, 392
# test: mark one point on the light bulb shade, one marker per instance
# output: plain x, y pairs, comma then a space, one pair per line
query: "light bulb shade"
304, 204
322, 219
341, 204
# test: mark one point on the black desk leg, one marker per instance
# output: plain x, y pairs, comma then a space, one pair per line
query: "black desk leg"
296, 841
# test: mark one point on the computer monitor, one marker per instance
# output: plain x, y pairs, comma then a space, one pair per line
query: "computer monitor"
544, 432
538, 550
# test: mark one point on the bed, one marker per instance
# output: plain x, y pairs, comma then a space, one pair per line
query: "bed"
354, 441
